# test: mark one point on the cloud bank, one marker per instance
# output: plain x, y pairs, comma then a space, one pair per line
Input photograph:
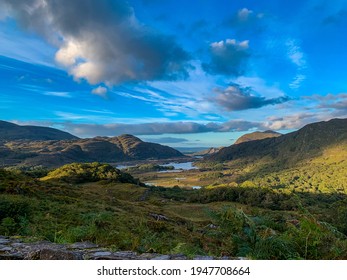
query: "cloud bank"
89, 130
237, 98
102, 41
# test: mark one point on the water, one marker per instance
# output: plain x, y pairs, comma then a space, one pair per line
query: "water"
196, 187
124, 166
181, 165
178, 166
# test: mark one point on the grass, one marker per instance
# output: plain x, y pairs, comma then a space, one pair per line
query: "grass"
228, 219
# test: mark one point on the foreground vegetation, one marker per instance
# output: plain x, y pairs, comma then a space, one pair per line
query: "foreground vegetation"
258, 219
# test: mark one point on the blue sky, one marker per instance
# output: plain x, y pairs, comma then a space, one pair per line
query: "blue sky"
180, 73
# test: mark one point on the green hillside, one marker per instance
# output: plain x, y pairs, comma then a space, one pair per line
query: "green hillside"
257, 135
289, 149
93, 202
276, 198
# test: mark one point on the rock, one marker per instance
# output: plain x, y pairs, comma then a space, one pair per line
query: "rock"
4, 241
4, 249
125, 255
203, 258
51, 254
179, 257
14, 256
162, 257
83, 245
16, 249
101, 254
121, 255
16, 245
147, 256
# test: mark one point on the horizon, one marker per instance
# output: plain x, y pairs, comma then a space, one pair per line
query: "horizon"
180, 74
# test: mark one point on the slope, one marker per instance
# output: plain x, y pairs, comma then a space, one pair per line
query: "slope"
289, 149
257, 135
10, 131
102, 149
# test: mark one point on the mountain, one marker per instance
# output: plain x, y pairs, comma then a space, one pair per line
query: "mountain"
257, 135
209, 151
289, 149
55, 153
135, 148
10, 131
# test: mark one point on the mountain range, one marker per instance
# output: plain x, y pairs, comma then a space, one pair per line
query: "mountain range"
32, 146
10, 131
288, 149
257, 135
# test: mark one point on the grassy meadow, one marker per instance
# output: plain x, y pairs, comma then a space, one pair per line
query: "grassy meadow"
287, 214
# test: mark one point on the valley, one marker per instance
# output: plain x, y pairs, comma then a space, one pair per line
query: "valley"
272, 198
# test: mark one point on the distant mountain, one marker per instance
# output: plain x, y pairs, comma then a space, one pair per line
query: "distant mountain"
55, 153
287, 150
209, 151
135, 148
257, 135
10, 131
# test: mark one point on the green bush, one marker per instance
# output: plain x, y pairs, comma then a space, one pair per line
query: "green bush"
89, 172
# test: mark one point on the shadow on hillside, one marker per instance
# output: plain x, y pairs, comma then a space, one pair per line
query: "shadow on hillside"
332, 207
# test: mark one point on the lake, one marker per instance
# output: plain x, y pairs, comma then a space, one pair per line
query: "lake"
180, 166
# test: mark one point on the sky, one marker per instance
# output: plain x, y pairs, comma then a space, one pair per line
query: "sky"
196, 73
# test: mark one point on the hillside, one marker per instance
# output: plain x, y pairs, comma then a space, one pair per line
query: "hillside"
277, 198
10, 131
289, 149
257, 135
88, 172
136, 149
102, 149
100, 204
206, 152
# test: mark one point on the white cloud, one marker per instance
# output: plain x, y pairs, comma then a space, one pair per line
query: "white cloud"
101, 91
243, 14
58, 94
294, 121
297, 57
296, 82
68, 53
223, 45
102, 41
295, 53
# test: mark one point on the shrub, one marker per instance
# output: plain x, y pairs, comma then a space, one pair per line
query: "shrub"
89, 172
